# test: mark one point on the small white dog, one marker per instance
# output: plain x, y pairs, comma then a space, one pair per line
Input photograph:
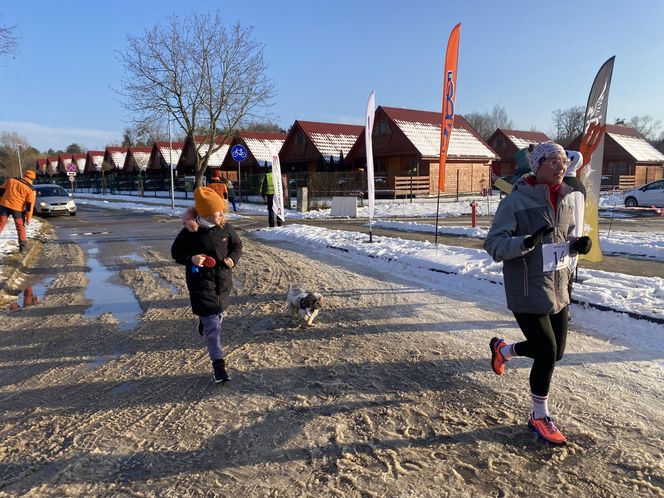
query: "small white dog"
303, 305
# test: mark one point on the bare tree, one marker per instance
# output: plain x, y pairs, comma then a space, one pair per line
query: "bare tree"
485, 123
568, 123
263, 126
646, 126
11, 145
8, 39
209, 78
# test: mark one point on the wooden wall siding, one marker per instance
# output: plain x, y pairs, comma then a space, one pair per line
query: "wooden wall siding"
646, 174
473, 177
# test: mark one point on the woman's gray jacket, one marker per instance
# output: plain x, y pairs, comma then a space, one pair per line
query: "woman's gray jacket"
527, 287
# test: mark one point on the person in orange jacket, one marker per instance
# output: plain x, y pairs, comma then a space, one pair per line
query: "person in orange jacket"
18, 200
217, 185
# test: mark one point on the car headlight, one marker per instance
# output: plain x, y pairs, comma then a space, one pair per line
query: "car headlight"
43, 204
71, 204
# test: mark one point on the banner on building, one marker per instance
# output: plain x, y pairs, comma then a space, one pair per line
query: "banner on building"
368, 129
592, 148
449, 97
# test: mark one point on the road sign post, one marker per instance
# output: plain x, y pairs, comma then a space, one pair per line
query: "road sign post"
71, 168
239, 153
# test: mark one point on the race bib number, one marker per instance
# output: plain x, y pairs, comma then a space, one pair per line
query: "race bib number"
555, 256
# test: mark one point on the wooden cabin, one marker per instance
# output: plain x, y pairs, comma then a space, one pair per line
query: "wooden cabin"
406, 142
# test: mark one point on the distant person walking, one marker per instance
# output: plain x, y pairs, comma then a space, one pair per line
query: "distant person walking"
267, 190
231, 192
532, 234
217, 185
18, 201
209, 249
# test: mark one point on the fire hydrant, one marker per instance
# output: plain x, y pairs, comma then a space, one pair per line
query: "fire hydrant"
473, 206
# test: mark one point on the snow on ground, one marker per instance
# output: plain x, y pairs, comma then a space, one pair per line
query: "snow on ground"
472, 271
9, 238
649, 245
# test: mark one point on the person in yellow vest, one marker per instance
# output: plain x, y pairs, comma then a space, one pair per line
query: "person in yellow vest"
267, 190
18, 201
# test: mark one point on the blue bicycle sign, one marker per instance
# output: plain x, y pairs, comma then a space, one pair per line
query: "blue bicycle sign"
239, 153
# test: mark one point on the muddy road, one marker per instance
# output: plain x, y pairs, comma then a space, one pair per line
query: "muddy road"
389, 395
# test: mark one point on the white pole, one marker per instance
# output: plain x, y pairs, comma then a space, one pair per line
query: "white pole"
18, 151
170, 163
239, 185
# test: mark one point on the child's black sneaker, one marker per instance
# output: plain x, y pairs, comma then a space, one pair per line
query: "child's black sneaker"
220, 374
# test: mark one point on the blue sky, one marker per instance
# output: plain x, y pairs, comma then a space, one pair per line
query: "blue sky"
326, 56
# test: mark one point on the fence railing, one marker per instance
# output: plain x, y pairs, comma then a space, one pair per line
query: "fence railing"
411, 185
626, 182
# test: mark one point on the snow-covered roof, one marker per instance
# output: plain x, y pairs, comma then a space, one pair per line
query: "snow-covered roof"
170, 155
118, 157
217, 156
80, 164
97, 159
422, 128
141, 158
426, 138
637, 147
332, 139
333, 145
262, 145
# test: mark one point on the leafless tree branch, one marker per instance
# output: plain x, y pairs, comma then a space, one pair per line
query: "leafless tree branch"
207, 76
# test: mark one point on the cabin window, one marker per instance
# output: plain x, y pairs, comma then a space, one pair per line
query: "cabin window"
300, 139
383, 128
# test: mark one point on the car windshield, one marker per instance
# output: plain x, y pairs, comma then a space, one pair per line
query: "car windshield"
54, 191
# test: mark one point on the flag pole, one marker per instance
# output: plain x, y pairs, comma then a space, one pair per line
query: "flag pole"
368, 129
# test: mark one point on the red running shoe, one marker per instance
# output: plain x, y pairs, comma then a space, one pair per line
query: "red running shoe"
497, 359
546, 429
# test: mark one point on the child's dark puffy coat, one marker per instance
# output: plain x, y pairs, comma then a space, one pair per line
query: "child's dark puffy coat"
209, 288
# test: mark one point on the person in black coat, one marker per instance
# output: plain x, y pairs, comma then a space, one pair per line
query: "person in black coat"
209, 253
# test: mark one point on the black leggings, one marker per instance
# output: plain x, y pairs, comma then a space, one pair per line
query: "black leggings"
546, 336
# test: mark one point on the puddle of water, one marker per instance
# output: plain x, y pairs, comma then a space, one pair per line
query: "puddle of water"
135, 257
108, 297
39, 289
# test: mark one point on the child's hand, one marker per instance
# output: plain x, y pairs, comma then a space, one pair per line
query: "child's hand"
229, 262
198, 259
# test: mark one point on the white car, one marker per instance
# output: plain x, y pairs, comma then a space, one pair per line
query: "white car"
651, 194
53, 199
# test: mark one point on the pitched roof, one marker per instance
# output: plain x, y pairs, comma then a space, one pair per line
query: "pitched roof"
141, 155
331, 139
634, 144
117, 155
80, 159
422, 128
263, 144
522, 139
218, 156
97, 158
165, 150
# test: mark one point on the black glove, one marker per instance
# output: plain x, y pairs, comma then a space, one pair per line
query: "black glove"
531, 241
582, 245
